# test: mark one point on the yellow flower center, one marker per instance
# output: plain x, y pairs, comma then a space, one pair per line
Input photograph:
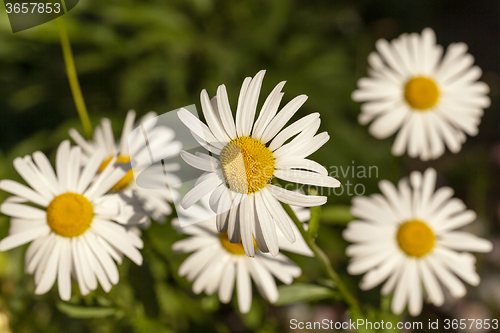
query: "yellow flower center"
126, 180
421, 93
415, 238
70, 214
234, 248
247, 164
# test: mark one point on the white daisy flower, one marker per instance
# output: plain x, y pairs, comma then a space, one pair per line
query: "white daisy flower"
407, 236
432, 100
69, 221
217, 264
246, 155
152, 203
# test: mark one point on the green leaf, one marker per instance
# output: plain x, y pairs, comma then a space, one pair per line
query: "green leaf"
314, 221
337, 215
315, 217
303, 292
146, 325
143, 285
78, 311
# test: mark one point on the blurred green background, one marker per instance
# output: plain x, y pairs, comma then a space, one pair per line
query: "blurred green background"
158, 55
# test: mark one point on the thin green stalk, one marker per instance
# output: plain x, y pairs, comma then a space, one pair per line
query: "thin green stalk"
64, 6
325, 262
73, 78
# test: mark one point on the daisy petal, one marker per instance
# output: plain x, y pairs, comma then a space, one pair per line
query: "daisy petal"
283, 221
200, 190
233, 231
283, 117
126, 248
50, 271
302, 148
31, 178
267, 226
243, 287
296, 198
127, 129
22, 211
432, 287
80, 141
84, 290
90, 170
464, 241
239, 108
64, 270
46, 169
268, 110
225, 112
103, 257
73, 169
87, 271
23, 192
62, 157
454, 285
293, 129
213, 122
402, 290
227, 283
247, 224
250, 105
306, 177
21, 238
264, 279
109, 138
387, 124
200, 163
199, 128
301, 164
281, 267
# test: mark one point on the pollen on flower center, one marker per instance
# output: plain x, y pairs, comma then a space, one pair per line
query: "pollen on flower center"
247, 164
70, 214
421, 93
234, 248
126, 180
415, 238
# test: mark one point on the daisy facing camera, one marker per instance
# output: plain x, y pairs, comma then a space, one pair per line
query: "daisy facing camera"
407, 237
73, 227
246, 155
217, 265
431, 100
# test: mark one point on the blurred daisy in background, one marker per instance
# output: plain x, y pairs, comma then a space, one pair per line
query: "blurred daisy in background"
407, 236
432, 100
69, 221
217, 264
246, 155
148, 203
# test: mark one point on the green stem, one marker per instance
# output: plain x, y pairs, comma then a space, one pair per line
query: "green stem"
325, 262
73, 78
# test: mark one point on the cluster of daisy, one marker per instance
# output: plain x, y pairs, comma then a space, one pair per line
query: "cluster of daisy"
82, 217
407, 236
250, 225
